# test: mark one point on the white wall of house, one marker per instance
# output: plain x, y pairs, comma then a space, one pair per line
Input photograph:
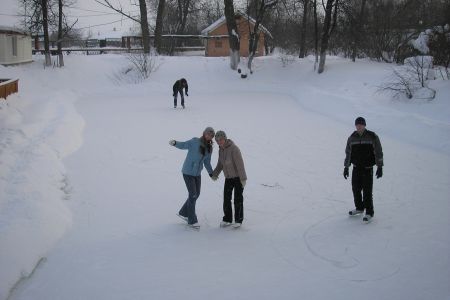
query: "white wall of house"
15, 48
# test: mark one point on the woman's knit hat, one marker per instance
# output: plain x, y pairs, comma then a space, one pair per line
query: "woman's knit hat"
209, 130
221, 135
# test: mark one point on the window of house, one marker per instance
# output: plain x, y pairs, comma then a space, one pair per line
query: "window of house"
14, 45
218, 44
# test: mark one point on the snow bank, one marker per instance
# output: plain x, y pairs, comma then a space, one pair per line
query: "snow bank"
421, 43
34, 138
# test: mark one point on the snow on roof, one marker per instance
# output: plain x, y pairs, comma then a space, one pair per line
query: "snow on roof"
213, 26
222, 20
13, 30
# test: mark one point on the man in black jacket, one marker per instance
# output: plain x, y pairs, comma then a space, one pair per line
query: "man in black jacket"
178, 88
363, 151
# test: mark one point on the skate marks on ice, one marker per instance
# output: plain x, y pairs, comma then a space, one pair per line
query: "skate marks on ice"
275, 185
335, 247
25, 277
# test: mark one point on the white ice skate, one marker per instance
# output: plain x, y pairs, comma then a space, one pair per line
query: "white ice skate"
194, 226
355, 212
367, 218
182, 217
224, 224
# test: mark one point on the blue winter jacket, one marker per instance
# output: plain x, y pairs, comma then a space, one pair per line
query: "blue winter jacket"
193, 164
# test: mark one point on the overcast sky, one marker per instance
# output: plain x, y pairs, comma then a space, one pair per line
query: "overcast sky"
89, 13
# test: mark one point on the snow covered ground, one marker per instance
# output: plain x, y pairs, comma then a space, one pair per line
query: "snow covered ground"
89, 183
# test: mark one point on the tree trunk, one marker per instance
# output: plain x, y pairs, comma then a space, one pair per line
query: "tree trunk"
60, 33
359, 25
253, 44
233, 36
185, 14
159, 25
254, 36
144, 26
183, 11
316, 36
325, 35
303, 31
48, 60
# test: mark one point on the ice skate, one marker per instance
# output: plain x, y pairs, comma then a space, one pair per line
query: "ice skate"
182, 218
194, 226
237, 225
224, 224
367, 219
355, 212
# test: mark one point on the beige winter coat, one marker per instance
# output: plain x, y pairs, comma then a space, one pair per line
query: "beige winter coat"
230, 161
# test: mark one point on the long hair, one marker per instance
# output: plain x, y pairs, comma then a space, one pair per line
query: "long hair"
205, 145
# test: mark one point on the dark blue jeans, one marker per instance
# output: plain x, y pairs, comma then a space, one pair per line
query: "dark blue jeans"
175, 96
193, 184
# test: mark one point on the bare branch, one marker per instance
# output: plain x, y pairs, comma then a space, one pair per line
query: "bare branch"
108, 4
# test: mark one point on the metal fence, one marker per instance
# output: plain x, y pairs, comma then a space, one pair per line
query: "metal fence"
170, 45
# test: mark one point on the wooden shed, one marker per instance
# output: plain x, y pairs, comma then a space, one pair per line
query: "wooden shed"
15, 46
217, 43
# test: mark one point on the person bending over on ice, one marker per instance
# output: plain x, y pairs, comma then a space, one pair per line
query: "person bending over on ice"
363, 151
178, 87
199, 155
232, 164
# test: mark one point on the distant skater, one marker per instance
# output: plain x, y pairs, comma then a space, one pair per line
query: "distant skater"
178, 87
363, 150
199, 155
231, 163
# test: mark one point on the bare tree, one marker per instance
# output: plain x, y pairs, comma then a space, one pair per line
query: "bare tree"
144, 26
439, 45
233, 35
159, 25
183, 9
60, 33
142, 20
358, 30
63, 28
48, 60
261, 7
316, 36
303, 30
33, 13
326, 31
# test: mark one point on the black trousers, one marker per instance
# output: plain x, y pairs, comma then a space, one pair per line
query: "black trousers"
230, 185
362, 181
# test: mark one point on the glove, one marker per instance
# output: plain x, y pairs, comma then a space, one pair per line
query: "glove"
187, 94
243, 182
345, 172
379, 172
172, 142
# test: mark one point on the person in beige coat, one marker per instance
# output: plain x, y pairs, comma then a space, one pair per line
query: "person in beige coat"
231, 163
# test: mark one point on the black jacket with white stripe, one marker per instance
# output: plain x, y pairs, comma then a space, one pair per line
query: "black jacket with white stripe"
363, 151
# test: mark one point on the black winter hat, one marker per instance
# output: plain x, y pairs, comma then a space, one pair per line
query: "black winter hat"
360, 120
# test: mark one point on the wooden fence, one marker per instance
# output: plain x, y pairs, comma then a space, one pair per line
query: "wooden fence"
8, 87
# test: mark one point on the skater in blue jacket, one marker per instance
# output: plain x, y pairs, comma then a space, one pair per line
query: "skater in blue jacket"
199, 155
